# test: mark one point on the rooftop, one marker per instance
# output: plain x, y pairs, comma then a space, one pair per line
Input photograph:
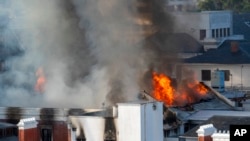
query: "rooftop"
4, 125
220, 123
203, 115
241, 24
224, 55
169, 43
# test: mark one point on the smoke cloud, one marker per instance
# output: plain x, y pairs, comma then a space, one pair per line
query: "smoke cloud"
83, 47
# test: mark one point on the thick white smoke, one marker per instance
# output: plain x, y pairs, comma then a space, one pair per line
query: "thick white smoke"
84, 47
110, 29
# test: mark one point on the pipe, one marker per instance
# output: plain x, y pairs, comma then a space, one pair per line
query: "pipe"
220, 96
146, 95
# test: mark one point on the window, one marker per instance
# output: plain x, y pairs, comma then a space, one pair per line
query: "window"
217, 33
46, 134
221, 35
226, 75
202, 34
80, 139
225, 32
213, 33
1, 133
206, 75
9, 131
228, 32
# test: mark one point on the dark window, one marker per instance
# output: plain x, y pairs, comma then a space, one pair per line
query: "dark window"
221, 35
217, 33
15, 131
1, 133
46, 134
225, 32
206, 75
213, 33
202, 34
226, 75
9, 131
228, 31
80, 139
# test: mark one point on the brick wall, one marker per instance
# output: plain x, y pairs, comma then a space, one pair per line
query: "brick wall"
27, 130
60, 131
28, 135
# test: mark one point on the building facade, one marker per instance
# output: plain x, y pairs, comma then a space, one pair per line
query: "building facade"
208, 27
182, 5
108, 124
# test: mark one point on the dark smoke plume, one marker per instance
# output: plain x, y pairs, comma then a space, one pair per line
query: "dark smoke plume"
92, 52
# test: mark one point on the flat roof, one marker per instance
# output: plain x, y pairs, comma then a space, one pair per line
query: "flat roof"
203, 115
138, 102
12, 138
221, 123
6, 125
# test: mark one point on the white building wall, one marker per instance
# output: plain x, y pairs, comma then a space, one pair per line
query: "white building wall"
188, 22
93, 127
182, 5
218, 25
219, 19
221, 136
129, 122
239, 73
140, 121
154, 121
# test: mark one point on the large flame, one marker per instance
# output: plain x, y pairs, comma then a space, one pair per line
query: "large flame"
40, 82
163, 90
187, 92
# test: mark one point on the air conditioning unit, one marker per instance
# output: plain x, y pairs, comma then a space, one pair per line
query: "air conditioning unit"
218, 80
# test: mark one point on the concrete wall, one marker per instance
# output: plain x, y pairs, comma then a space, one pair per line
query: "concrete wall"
190, 23
129, 121
182, 5
221, 136
193, 22
140, 121
92, 126
239, 73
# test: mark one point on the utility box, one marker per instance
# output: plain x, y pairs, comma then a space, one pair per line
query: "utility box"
140, 121
218, 80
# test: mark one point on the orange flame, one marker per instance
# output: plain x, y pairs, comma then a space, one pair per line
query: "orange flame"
197, 87
40, 82
162, 88
188, 92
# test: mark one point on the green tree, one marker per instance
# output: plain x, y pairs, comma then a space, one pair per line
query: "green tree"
234, 5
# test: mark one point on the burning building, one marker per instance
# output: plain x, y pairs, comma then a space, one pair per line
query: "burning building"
93, 54
187, 92
108, 124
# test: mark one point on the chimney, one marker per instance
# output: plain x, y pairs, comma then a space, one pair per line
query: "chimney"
234, 47
221, 136
27, 130
205, 132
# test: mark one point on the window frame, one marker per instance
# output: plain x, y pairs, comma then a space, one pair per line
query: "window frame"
206, 75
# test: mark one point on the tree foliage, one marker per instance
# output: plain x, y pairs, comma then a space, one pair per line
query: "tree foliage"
234, 5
